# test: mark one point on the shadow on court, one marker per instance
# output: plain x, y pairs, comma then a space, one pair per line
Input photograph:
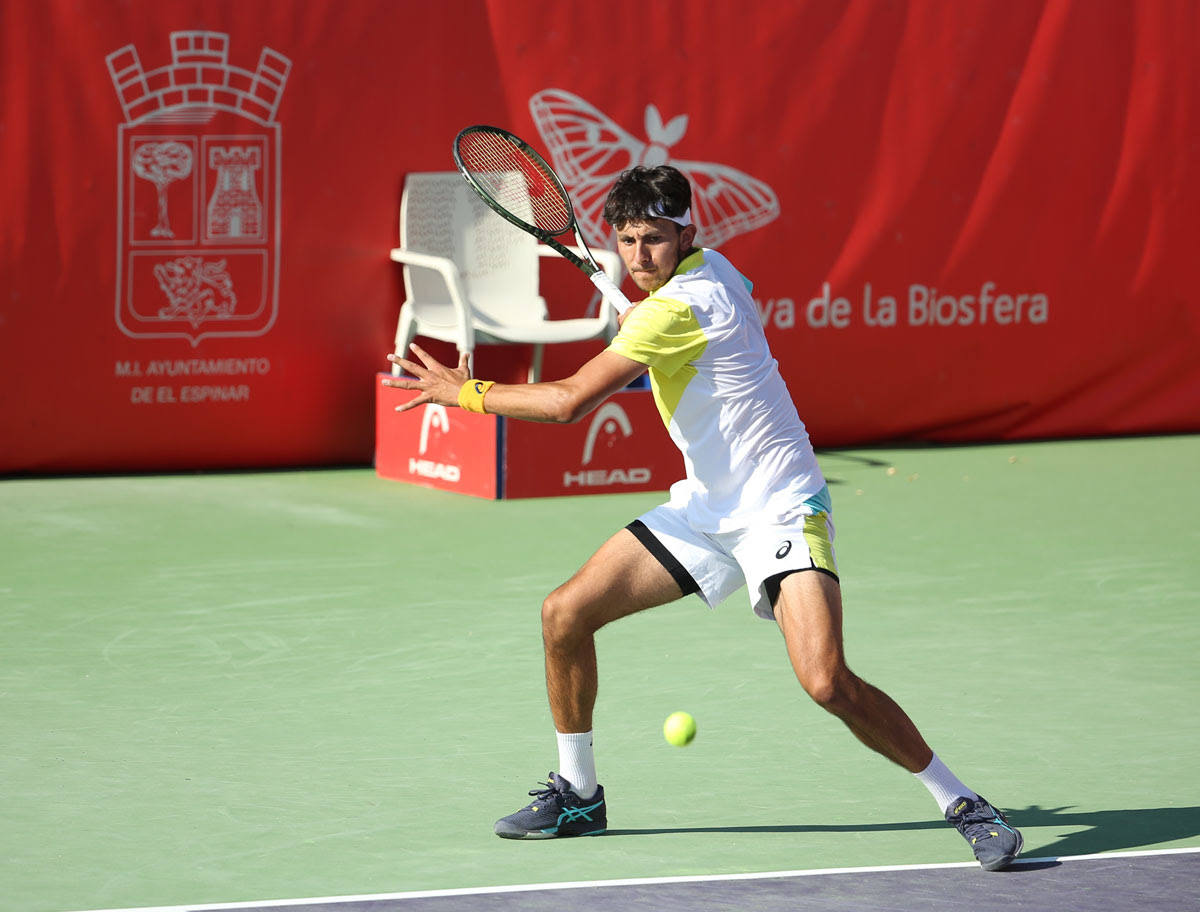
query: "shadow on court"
1108, 831
1098, 831
834, 460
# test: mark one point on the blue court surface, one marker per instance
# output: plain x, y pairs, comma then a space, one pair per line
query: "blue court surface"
1088, 883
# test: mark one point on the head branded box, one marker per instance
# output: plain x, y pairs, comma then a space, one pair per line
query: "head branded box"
620, 447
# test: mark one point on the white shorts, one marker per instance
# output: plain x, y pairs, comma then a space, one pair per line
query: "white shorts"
714, 565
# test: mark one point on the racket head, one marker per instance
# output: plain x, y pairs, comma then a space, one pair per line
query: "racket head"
514, 180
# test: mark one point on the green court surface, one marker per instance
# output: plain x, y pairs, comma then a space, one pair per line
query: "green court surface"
233, 687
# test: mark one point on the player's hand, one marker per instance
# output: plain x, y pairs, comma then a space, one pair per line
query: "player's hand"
621, 316
436, 382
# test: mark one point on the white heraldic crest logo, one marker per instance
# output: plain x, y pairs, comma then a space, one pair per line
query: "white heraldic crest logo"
198, 218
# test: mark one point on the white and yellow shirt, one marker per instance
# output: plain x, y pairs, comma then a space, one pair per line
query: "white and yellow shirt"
747, 455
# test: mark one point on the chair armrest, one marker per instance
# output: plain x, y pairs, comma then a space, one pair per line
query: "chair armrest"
446, 268
608, 260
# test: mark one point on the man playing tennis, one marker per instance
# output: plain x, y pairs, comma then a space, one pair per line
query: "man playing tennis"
753, 509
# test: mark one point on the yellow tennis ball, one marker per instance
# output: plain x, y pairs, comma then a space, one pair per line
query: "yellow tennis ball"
679, 729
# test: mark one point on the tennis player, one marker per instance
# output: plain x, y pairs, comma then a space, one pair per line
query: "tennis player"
753, 510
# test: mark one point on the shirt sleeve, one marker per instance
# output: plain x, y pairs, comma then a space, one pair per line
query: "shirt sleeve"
661, 333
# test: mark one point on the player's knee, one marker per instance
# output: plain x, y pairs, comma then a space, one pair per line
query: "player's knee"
832, 689
562, 618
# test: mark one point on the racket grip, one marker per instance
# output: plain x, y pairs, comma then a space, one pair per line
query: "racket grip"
611, 292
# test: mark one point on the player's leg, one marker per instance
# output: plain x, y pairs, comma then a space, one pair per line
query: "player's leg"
620, 579
792, 578
623, 577
809, 612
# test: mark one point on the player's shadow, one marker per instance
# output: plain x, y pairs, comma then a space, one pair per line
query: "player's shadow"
830, 460
1083, 832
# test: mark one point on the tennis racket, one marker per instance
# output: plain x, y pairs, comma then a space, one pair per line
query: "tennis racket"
519, 186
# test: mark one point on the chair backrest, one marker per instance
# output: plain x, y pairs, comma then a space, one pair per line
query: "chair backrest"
442, 216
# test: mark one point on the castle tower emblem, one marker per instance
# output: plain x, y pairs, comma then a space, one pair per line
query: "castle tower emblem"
198, 199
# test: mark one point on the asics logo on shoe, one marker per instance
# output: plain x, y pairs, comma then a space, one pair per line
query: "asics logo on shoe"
783, 550
578, 813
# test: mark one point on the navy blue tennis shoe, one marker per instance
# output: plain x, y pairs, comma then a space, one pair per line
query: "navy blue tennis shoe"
556, 811
994, 840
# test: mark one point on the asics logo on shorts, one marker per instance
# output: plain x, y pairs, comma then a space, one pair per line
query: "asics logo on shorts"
783, 550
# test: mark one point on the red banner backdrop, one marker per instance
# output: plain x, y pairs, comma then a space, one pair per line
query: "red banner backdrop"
964, 221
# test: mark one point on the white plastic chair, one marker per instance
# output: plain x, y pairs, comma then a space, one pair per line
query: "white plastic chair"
472, 278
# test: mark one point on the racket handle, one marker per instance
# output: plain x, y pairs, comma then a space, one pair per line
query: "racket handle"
611, 292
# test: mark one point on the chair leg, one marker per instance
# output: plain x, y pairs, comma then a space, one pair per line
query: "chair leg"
406, 331
535, 364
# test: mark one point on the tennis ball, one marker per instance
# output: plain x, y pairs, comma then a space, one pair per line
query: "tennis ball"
679, 729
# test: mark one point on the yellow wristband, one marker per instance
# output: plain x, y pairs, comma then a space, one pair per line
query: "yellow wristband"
470, 395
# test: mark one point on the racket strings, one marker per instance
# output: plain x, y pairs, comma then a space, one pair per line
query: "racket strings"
515, 181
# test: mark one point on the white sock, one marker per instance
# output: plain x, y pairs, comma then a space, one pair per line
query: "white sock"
577, 762
943, 785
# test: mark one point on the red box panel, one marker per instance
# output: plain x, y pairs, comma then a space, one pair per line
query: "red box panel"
433, 446
621, 447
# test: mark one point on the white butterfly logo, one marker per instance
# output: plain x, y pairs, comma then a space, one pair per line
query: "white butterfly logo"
588, 150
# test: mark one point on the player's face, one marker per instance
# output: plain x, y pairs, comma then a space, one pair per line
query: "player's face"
651, 250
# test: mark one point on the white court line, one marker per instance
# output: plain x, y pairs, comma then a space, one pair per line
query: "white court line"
628, 882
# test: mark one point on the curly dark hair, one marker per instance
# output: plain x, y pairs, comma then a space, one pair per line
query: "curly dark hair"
641, 194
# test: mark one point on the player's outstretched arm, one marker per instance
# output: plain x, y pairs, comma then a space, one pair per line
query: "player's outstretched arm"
561, 401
